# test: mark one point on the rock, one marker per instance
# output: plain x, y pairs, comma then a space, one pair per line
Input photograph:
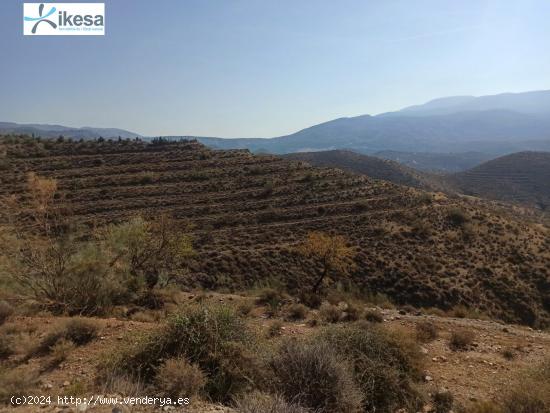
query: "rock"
66, 383
428, 378
423, 350
82, 407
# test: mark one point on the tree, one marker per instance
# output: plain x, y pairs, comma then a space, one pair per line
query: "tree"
151, 251
331, 251
72, 271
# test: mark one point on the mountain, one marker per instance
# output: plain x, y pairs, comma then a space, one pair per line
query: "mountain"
247, 214
532, 103
53, 131
493, 125
520, 177
371, 166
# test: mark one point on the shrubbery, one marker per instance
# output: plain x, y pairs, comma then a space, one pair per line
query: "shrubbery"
385, 365
312, 375
213, 338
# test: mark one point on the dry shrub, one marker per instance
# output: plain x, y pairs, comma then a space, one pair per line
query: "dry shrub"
6, 347
508, 353
483, 407
385, 365
214, 338
78, 331
312, 375
274, 329
374, 316
6, 311
59, 353
350, 312
329, 313
531, 394
272, 299
443, 401
264, 403
269, 296
296, 312
17, 382
457, 217
142, 317
179, 378
245, 307
461, 339
426, 331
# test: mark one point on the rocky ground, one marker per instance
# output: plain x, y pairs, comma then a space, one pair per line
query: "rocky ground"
481, 372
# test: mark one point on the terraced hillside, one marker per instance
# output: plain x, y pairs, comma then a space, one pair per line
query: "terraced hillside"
522, 177
248, 213
371, 166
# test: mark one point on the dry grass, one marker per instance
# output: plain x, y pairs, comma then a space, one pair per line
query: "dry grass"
461, 339
178, 378
426, 331
312, 375
264, 403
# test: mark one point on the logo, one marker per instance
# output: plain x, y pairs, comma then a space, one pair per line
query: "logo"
55, 19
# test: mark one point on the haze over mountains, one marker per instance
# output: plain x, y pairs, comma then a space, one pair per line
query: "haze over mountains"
450, 134
495, 125
53, 131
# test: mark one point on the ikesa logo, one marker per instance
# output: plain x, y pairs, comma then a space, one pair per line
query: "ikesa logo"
54, 19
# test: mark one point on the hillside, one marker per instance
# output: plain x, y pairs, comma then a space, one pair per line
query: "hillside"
436, 162
54, 131
248, 213
371, 166
520, 177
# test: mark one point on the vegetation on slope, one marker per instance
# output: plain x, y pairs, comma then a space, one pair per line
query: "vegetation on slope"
248, 216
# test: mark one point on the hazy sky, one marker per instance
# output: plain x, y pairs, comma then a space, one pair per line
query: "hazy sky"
262, 68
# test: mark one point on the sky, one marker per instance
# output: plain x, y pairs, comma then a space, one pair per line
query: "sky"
264, 68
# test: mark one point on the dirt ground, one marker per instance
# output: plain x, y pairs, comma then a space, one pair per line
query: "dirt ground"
480, 373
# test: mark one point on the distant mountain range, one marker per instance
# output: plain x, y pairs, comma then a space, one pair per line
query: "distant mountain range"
54, 131
494, 125
450, 134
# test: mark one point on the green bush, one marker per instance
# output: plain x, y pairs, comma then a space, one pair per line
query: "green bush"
312, 375
212, 337
385, 365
